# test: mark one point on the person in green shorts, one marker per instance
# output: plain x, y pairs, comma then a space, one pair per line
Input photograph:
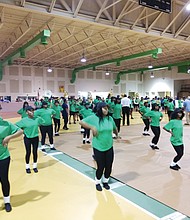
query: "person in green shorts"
8, 131
22, 111
175, 128
30, 127
155, 116
102, 126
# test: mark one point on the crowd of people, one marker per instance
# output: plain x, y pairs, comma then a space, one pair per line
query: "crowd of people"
103, 117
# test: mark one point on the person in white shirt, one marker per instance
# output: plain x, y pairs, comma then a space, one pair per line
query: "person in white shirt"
125, 103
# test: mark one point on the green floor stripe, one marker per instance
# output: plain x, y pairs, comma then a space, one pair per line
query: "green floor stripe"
139, 198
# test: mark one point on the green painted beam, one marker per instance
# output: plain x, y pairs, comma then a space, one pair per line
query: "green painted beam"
154, 54
185, 63
41, 38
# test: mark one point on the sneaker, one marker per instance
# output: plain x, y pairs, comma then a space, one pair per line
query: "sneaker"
174, 167
98, 187
56, 134
83, 141
28, 170
43, 150
132, 118
152, 146
156, 148
178, 166
8, 207
144, 133
106, 186
88, 142
52, 148
35, 170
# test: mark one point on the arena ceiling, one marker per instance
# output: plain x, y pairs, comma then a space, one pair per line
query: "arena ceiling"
100, 29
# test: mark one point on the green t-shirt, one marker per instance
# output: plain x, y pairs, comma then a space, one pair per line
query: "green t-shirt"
30, 126
86, 112
176, 127
22, 112
144, 110
57, 109
6, 129
155, 117
46, 114
103, 141
117, 111
171, 106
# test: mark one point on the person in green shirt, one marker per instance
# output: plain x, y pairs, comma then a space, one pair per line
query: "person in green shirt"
22, 111
8, 131
85, 112
170, 108
175, 128
46, 127
102, 126
155, 116
117, 113
143, 110
30, 127
56, 118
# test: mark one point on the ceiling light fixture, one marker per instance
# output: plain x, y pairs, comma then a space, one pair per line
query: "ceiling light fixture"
151, 75
83, 59
49, 69
188, 7
107, 73
188, 70
150, 66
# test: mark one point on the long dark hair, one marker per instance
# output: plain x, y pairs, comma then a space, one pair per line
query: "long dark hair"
174, 114
100, 114
24, 105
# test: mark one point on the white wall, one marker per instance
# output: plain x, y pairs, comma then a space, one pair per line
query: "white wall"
163, 81
24, 80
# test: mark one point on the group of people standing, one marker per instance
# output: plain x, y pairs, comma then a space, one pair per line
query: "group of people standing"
102, 117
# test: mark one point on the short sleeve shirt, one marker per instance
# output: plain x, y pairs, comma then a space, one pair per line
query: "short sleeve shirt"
30, 126
6, 129
103, 141
155, 117
176, 127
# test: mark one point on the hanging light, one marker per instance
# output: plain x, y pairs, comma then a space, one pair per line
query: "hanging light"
107, 73
188, 7
49, 69
83, 59
151, 75
188, 70
150, 66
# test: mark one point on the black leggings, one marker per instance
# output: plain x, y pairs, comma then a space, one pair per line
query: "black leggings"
56, 124
86, 133
147, 124
104, 160
28, 143
156, 132
179, 150
4, 176
49, 130
117, 123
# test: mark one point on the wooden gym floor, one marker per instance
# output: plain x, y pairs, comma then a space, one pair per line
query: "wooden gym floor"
142, 185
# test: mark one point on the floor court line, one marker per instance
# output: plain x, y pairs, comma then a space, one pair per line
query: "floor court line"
168, 213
